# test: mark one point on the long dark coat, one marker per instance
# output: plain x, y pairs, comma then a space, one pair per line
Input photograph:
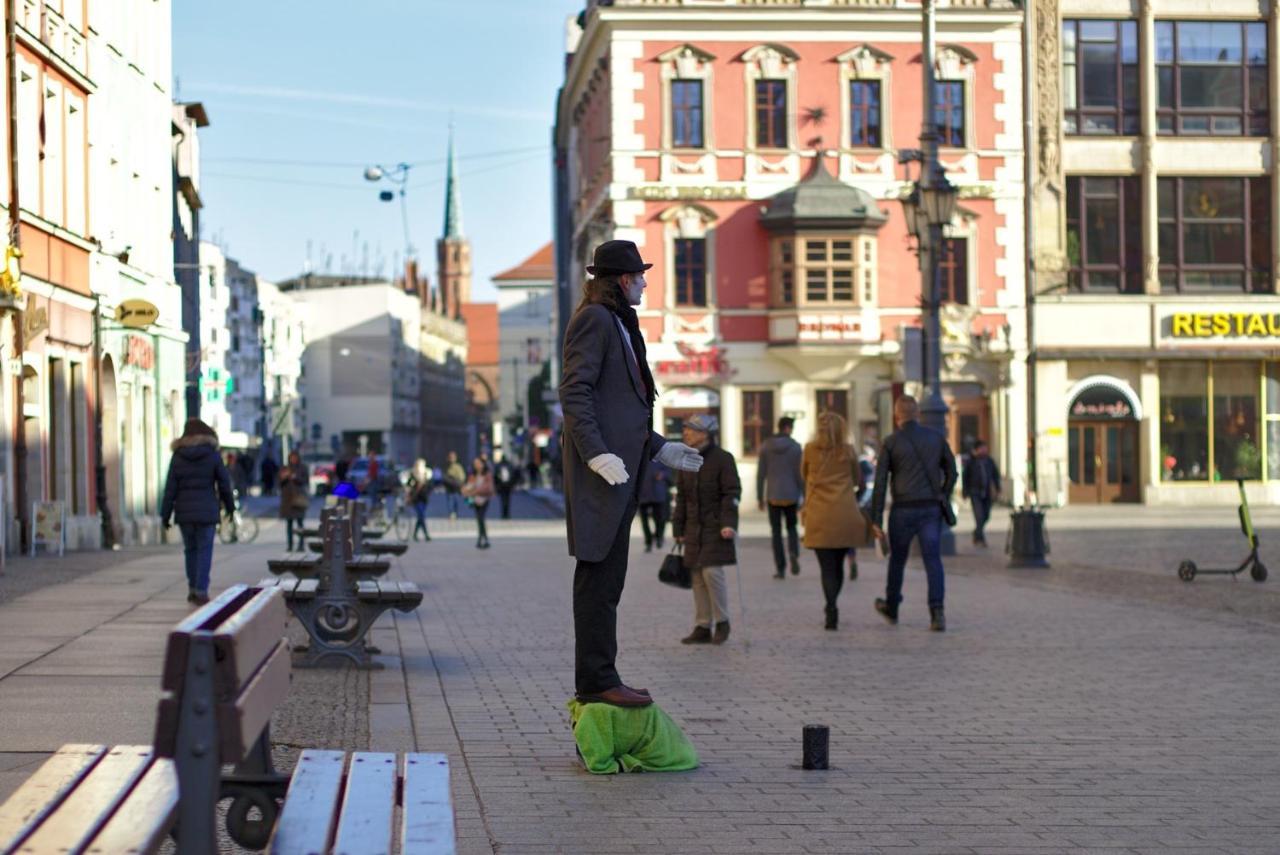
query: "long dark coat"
706, 502
197, 483
606, 411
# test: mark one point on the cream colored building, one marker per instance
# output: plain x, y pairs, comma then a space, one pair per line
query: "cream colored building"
1157, 319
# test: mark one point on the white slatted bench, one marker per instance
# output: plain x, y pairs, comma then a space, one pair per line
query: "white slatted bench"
227, 667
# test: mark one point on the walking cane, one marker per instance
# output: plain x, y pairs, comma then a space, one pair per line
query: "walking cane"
742, 603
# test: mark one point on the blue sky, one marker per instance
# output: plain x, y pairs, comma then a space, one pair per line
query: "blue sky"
301, 96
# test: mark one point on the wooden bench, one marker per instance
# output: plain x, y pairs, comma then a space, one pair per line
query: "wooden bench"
343, 601
226, 670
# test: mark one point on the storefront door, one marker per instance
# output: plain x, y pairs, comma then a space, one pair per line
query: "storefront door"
1102, 461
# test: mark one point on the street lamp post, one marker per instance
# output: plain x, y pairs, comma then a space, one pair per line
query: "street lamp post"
929, 209
398, 175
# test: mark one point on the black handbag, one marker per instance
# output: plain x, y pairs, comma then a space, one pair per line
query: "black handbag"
673, 571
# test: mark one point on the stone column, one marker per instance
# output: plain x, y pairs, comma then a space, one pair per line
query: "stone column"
1148, 92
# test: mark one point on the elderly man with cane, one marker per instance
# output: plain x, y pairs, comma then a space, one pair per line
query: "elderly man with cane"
607, 393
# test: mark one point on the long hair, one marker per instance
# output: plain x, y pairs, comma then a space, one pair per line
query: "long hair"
606, 290
832, 435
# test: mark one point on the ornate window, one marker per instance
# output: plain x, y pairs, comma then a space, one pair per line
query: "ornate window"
1212, 78
757, 419
690, 241
686, 114
1100, 77
691, 271
771, 90
865, 75
953, 270
686, 72
823, 270
952, 95
1215, 234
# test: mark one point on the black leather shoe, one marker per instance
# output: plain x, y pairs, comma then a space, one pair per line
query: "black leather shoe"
833, 618
780, 575
795, 565
937, 620
700, 635
888, 612
618, 696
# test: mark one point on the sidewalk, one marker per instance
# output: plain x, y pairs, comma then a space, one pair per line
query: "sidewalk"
1052, 717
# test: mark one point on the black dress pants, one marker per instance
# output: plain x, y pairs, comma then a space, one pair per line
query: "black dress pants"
597, 589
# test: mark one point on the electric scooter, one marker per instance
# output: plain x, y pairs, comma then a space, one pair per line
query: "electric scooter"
1188, 570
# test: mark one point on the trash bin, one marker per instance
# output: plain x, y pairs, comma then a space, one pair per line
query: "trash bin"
1028, 542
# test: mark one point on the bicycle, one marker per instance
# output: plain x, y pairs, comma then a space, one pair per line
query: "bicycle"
237, 528
399, 522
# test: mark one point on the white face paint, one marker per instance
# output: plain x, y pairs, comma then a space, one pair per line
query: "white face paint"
635, 289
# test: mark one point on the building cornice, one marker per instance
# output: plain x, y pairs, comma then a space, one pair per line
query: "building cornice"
56, 230
32, 43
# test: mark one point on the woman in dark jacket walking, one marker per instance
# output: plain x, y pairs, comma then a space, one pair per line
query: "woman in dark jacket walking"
196, 485
294, 499
705, 522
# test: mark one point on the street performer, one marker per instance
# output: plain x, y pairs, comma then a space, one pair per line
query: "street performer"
607, 394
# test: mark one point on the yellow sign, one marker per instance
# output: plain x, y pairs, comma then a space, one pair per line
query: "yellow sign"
137, 313
1225, 324
11, 275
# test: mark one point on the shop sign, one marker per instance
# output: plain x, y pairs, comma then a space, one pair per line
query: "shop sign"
137, 314
1202, 325
668, 192
1101, 402
139, 353
695, 366
830, 327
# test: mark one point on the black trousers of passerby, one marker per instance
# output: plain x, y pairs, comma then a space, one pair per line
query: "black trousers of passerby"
777, 514
597, 589
831, 563
482, 534
981, 513
653, 520
291, 525
504, 495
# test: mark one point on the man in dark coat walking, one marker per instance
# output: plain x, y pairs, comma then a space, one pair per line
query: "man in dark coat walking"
981, 486
779, 468
607, 395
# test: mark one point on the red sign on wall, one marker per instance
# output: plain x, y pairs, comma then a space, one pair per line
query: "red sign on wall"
139, 353
697, 366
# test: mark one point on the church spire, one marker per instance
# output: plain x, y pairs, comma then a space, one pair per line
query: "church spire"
452, 207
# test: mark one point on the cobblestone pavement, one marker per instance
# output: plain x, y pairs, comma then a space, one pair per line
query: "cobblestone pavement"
1047, 719
1083, 709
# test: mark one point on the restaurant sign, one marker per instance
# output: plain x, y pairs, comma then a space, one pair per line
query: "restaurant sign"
1218, 324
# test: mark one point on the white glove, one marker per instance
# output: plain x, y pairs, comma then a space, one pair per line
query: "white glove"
677, 455
609, 467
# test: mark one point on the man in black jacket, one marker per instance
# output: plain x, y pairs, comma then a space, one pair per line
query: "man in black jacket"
981, 486
924, 474
607, 393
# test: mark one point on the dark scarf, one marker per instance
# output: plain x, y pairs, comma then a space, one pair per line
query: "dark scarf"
612, 298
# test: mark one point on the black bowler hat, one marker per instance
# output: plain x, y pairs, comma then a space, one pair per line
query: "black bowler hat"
617, 256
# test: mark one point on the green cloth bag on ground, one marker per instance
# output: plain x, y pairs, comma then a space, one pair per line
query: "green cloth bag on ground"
631, 739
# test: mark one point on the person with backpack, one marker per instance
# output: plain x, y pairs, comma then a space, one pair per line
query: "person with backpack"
922, 469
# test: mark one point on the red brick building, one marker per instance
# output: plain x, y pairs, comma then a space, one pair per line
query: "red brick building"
752, 152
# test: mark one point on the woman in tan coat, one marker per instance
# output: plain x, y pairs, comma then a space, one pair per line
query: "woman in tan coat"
833, 524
